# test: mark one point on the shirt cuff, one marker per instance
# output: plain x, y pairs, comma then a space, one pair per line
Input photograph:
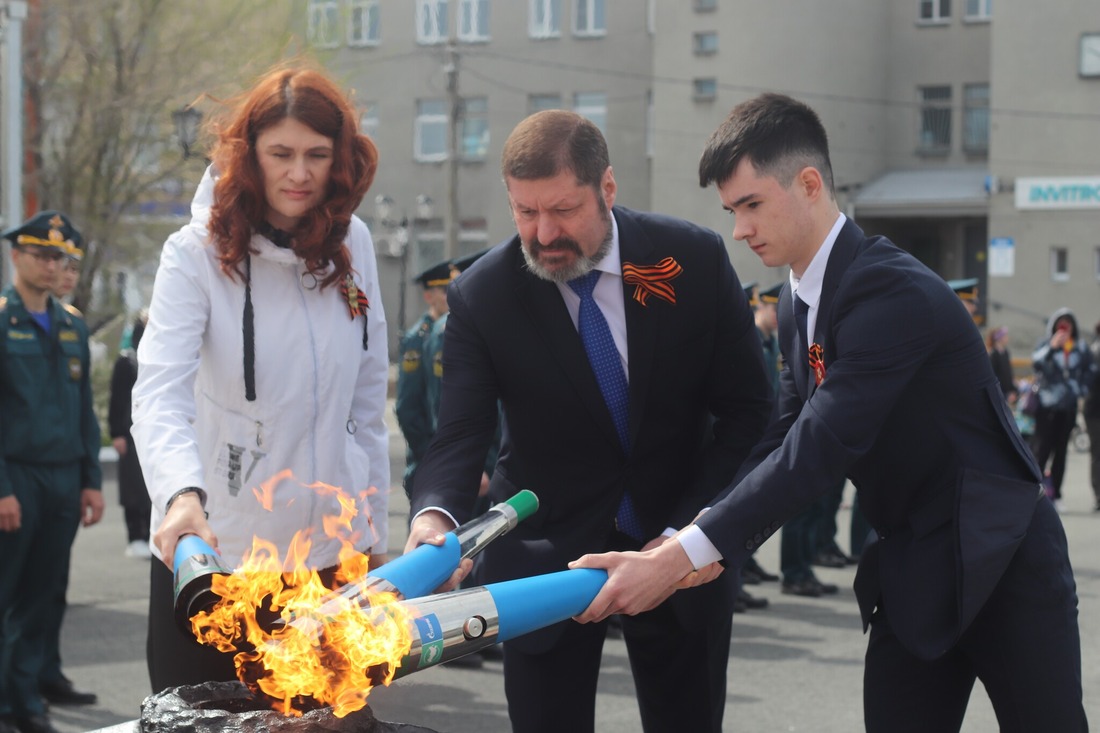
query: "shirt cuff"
436, 509
698, 547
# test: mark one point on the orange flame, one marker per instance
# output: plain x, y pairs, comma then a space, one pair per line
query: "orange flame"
287, 647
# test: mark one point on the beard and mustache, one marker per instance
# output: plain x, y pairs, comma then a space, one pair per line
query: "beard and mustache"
582, 264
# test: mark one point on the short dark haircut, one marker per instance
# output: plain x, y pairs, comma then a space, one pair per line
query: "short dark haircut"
777, 134
555, 140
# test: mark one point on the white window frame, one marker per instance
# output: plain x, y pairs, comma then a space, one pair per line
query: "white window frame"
482, 118
544, 18
592, 106
699, 41
585, 18
422, 121
975, 112
1059, 271
433, 14
473, 21
367, 10
927, 146
704, 89
532, 107
323, 23
978, 10
933, 12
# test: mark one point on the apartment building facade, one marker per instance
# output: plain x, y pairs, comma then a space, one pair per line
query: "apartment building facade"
962, 131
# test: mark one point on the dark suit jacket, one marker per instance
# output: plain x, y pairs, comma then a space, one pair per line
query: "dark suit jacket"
911, 412
509, 336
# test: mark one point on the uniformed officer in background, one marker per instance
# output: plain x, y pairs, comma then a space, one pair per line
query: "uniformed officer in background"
49, 457
413, 414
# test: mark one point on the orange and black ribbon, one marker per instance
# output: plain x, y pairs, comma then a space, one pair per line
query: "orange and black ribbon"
817, 363
652, 279
357, 302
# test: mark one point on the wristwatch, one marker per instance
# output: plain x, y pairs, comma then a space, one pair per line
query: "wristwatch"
189, 490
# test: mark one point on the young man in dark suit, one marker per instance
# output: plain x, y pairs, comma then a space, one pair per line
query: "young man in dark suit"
630, 377
887, 383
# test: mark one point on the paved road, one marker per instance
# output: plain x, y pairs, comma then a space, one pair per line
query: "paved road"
796, 666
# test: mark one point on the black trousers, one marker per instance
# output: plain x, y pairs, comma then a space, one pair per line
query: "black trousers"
1024, 646
679, 671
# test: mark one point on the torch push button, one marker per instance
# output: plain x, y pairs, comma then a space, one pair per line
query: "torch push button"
474, 627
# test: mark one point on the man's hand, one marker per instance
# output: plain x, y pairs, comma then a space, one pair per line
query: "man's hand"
120, 446
91, 506
11, 514
429, 528
185, 516
640, 581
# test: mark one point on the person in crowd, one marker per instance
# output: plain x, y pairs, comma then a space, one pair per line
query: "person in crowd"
264, 360
1001, 360
1091, 411
49, 466
132, 493
624, 357
1064, 370
411, 407
970, 576
54, 684
967, 290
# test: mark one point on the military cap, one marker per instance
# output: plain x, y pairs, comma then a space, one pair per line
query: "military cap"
459, 265
751, 293
46, 229
966, 289
436, 276
771, 295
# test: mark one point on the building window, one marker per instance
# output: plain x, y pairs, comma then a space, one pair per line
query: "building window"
588, 18
979, 9
430, 130
1059, 264
976, 118
473, 20
705, 43
935, 11
544, 19
540, 102
592, 105
704, 90
368, 121
935, 120
431, 21
475, 128
705, 6
324, 23
363, 29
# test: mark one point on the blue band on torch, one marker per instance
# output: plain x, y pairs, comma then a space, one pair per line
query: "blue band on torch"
528, 604
421, 571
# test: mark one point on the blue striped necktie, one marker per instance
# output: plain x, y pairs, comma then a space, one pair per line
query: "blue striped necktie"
608, 368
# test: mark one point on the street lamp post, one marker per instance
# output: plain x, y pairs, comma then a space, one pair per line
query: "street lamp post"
401, 235
186, 120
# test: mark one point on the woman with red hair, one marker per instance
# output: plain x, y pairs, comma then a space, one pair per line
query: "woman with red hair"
263, 368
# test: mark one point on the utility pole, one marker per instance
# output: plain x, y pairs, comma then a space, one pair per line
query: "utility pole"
454, 119
11, 104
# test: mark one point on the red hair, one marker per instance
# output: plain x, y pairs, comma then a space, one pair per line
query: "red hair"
239, 203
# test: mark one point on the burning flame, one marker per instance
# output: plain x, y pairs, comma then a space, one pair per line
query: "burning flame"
296, 642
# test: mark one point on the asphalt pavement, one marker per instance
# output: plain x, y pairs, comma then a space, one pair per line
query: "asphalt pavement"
794, 666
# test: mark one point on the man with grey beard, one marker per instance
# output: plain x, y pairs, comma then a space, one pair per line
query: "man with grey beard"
626, 361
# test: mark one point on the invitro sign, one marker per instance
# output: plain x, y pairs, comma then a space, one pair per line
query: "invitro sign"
1080, 192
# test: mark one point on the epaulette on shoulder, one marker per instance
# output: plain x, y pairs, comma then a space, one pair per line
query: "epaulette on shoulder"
73, 310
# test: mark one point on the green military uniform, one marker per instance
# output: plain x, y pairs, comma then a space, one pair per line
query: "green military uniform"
412, 404
49, 452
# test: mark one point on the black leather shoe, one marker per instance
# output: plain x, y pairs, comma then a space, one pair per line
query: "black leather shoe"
39, 723
827, 589
751, 601
753, 567
62, 692
830, 560
809, 588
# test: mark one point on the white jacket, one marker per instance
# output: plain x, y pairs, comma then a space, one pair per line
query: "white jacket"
320, 397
